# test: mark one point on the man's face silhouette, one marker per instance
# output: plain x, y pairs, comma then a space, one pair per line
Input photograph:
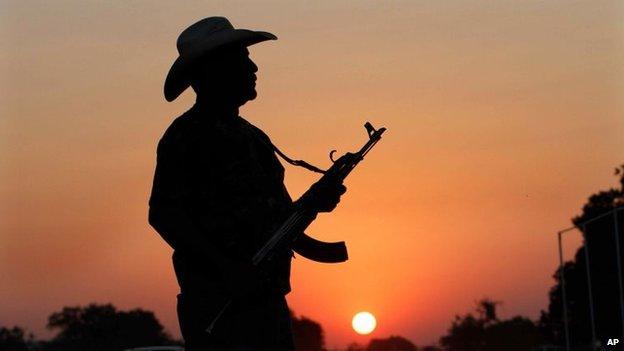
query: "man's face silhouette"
227, 77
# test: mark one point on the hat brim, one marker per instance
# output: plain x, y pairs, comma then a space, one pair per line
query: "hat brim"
178, 79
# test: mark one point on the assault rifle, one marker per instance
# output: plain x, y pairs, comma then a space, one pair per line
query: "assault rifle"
301, 217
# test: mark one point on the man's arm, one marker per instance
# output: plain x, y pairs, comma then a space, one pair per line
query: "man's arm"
177, 229
169, 217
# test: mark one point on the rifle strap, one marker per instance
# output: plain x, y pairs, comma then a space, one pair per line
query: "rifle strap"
298, 163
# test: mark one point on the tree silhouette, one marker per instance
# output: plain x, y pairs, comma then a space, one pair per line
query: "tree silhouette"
518, 333
103, 327
307, 334
13, 339
465, 334
487, 333
600, 243
392, 343
487, 310
354, 346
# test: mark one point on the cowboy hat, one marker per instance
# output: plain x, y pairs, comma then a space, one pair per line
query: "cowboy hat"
200, 39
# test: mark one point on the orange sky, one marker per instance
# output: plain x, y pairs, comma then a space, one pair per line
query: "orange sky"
503, 117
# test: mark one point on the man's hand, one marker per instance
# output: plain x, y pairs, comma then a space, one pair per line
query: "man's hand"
323, 197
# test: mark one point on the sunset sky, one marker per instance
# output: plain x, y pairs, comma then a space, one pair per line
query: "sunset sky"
502, 117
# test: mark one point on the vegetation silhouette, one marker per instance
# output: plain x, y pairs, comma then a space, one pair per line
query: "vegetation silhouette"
600, 242
392, 343
14, 339
486, 332
307, 334
103, 327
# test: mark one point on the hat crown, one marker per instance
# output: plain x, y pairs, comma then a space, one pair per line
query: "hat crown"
200, 31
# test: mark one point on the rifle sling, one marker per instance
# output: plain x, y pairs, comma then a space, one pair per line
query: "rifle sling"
298, 163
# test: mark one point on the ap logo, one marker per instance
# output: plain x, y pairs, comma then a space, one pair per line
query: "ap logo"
613, 342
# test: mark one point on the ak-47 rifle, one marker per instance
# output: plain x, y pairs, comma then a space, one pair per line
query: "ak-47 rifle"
302, 216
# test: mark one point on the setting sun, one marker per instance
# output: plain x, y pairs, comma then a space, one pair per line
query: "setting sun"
364, 323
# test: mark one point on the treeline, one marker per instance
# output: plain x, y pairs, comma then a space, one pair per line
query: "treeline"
93, 328
103, 327
481, 330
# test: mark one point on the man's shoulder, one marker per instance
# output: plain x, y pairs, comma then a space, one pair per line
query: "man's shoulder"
177, 129
256, 130
181, 131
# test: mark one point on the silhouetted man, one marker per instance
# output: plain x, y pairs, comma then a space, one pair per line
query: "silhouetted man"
218, 193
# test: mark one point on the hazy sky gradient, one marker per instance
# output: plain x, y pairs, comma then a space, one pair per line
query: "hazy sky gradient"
503, 117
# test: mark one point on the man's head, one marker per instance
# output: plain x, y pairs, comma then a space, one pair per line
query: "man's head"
226, 76
213, 57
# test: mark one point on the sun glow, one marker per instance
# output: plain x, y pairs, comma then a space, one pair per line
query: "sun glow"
364, 322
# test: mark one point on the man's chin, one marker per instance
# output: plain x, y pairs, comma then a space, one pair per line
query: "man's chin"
249, 97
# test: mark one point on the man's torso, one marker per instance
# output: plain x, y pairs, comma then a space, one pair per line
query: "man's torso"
232, 188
